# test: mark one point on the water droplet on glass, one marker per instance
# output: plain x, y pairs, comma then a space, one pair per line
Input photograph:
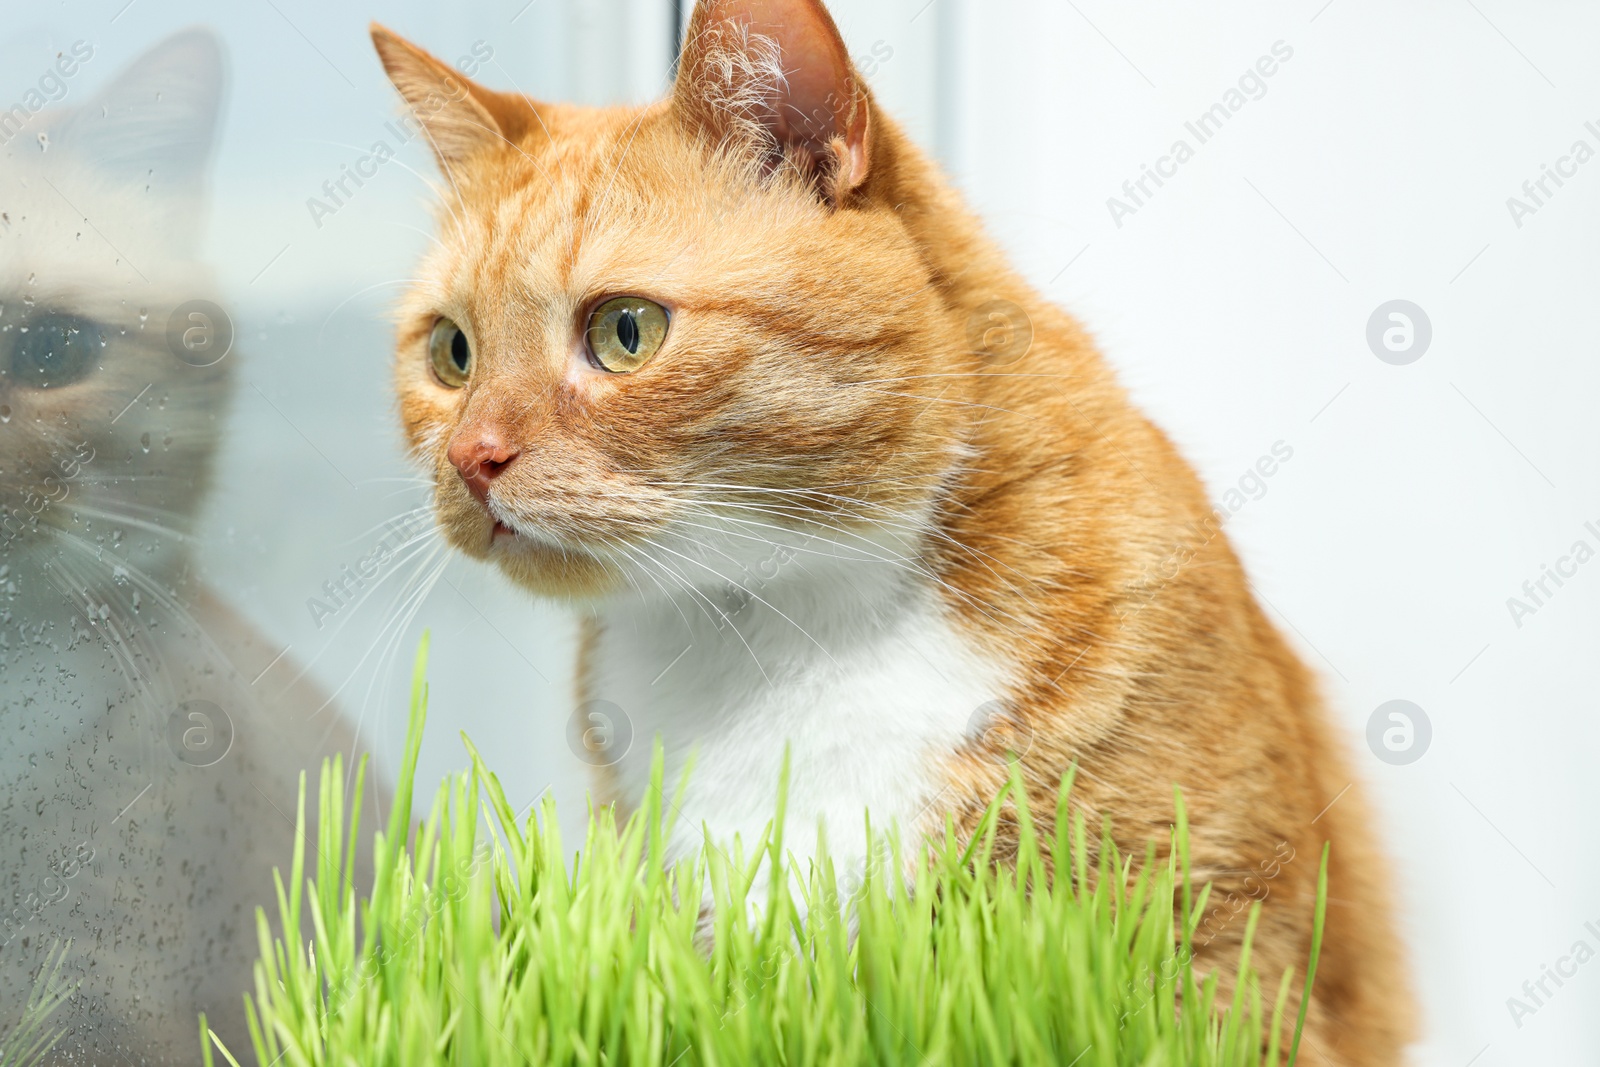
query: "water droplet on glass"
5, 416
143, 315
44, 142
144, 441
31, 278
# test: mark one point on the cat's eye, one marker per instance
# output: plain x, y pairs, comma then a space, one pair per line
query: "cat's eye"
449, 354
55, 349
624, 332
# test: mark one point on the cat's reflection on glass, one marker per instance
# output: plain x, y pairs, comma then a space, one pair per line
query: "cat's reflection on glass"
147, 762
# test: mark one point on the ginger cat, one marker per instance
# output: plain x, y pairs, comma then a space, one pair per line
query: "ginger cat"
719, 372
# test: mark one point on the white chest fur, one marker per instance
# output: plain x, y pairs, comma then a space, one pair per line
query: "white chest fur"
854, 665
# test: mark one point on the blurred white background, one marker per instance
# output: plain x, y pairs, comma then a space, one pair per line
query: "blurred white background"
1374, 164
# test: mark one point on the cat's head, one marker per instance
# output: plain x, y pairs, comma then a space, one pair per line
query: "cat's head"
651, 343
106, 433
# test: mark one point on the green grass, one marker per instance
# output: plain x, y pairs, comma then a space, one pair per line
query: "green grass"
30, 1038
479, 946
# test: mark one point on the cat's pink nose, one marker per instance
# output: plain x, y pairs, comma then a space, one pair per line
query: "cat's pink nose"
480, 457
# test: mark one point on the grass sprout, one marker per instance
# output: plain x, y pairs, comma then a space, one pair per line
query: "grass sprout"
484, 941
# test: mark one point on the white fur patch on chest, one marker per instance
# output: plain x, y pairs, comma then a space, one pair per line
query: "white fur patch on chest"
859, 672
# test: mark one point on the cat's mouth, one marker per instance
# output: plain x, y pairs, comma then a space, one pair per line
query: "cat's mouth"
565, 546
509, 533
547, 561
519, 535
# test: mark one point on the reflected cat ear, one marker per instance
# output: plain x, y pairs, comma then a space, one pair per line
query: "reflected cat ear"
155, 124
774, 77
459, 116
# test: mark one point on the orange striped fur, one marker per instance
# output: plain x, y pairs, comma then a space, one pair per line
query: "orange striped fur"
820, 380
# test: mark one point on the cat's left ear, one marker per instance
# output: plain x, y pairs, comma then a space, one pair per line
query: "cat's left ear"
774, 77
459, 116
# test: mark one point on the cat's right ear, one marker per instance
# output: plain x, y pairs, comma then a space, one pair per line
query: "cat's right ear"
458, 116
773, 77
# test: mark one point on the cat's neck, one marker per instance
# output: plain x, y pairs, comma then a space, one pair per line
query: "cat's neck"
846, 662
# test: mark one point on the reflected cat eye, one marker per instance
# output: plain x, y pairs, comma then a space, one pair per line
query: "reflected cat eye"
624, 332
54, 350
449, 354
